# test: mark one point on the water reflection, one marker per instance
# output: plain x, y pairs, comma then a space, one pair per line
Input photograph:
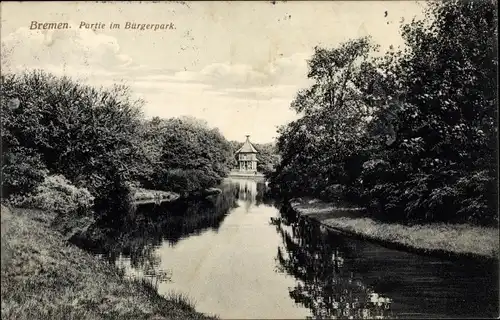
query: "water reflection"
239, 256
137, 236
250, 192
340, 277
315, 258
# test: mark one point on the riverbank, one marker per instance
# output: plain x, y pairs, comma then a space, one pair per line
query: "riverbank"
247, 174
142, 195
43, 276
453, 240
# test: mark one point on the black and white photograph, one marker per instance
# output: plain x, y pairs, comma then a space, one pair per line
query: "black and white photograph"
249, 160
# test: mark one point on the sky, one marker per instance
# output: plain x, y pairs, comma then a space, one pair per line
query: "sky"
237, 65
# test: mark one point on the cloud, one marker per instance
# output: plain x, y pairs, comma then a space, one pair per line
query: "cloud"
98, 59
278, 79
235, 97
237, 75
283, 70
168, 85
70, 51
233, 74
235, 117
279, 92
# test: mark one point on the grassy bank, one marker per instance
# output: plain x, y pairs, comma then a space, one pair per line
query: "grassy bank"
438, 238
44, 277
141, 195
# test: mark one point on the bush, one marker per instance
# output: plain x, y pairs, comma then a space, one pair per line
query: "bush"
187, 181
187, 155
333, 192
476, 193
97, 138
22, 171
57, 194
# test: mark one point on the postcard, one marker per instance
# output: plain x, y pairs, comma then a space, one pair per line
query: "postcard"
249, 159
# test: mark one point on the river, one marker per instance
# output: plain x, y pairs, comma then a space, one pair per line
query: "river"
237, 255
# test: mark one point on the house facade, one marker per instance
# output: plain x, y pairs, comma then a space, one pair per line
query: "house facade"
247, 157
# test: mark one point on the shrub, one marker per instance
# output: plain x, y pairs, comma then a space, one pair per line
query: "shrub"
187, 181
57, 194
22, 171
333, 192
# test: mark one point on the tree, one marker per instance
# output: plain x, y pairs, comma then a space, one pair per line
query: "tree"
267, 156
412, 134
315, 148
190, 156
441, 164
90, 136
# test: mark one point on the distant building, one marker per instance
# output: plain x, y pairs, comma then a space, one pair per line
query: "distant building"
247, 157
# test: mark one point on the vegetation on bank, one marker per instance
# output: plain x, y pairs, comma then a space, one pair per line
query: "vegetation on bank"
443, 238
45, 278
96, 141
87, 155
410, 134
188, 155
141, 194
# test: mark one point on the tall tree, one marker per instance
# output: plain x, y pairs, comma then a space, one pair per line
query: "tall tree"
189, 155
314, 148
412, 134
89, 135
441, 164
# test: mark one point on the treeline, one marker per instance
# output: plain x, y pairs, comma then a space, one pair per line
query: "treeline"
410, 134
95, 145
267, 155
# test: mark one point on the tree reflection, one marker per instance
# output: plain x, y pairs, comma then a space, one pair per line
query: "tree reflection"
137, 236
250, 192
325, 285
263, 197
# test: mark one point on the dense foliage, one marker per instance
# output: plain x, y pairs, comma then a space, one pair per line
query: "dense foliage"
98, 139
189, 156
411, 134
89, 136
57, 194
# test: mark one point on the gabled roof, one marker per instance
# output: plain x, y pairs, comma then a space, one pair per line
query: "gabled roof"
247, 147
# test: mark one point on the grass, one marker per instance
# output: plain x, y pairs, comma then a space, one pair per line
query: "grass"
44, 277
439, 238
181, 299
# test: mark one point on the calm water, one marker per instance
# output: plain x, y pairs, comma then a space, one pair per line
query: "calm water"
238, 256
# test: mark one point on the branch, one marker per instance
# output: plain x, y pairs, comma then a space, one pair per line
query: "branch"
344, 83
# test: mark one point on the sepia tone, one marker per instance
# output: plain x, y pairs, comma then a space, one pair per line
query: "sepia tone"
249, 160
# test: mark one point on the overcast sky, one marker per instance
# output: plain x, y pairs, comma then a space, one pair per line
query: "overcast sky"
237, 65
